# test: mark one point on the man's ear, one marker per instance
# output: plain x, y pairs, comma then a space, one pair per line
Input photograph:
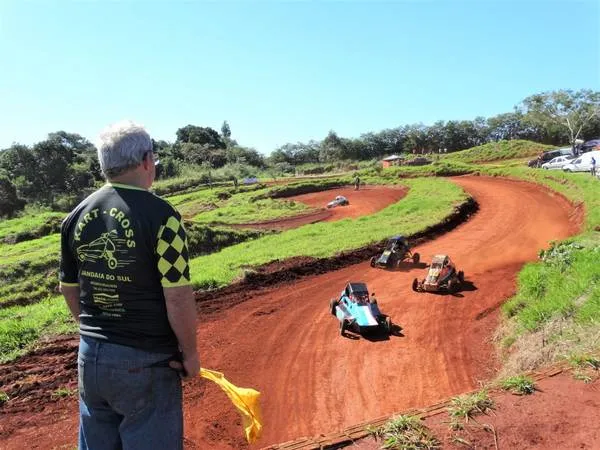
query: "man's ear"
146, 162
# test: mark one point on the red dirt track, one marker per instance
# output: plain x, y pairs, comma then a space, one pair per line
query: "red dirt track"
365, 201
284, 342
561, 414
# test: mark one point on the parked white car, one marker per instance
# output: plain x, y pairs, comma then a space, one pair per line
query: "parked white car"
583, 163
557, 163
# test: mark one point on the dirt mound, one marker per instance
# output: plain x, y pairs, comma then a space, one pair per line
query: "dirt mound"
282, 340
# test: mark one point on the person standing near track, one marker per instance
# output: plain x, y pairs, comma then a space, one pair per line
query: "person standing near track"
356, 182
593, 169
125, 277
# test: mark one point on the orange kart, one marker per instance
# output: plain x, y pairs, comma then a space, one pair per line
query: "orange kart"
442, 276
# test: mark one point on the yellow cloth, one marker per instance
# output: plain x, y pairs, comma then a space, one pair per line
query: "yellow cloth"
246, 400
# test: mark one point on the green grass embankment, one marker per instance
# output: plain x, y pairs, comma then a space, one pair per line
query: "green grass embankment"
30, 226
498, 151
428, 202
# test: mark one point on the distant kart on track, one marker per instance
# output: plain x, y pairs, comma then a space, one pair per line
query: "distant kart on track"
339, 200
357, 311
396, 251
442, 276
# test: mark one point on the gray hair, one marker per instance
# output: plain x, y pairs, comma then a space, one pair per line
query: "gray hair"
121, 147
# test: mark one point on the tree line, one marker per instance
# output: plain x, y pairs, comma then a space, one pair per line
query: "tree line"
61, 169
555, 118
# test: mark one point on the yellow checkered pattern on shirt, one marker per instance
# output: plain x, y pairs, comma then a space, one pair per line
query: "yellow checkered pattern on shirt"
172, 251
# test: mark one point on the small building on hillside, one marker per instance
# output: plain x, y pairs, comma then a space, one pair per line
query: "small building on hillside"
393, 160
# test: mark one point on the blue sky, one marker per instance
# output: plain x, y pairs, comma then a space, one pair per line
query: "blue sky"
283, 71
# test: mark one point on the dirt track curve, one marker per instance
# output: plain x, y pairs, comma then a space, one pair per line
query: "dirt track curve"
284, 342
365, 201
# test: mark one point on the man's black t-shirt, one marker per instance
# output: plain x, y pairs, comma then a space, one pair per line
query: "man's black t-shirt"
121, 246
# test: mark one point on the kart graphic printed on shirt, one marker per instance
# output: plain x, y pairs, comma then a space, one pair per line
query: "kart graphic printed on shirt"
106, 247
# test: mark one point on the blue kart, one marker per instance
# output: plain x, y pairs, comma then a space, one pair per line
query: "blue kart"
358, 311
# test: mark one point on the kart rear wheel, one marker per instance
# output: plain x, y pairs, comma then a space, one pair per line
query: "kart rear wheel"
343, 326
332, 304
416, 258
415, 285
452, 285
461, 276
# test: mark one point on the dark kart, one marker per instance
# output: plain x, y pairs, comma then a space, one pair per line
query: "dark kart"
339, 200
396, 251
359, 312
442, 276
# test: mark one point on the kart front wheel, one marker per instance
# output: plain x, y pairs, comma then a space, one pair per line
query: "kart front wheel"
415, 285
388, 325
416, 258
461, 276
373, 260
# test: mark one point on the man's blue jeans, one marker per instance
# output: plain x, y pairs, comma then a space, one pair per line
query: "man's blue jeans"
124, 402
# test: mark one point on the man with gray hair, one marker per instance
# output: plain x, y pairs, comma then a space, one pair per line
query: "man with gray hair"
125, 276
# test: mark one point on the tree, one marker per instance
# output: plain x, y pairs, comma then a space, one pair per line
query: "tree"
10, 203
72, 141
22, 167
203, 153
225, 130
54, 165
244, 155
566, 108
509, 126
200, 135
332, 148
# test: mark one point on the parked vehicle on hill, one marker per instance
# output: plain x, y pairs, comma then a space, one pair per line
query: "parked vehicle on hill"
583, 163
339, 200
358, 311
557, 163
396, 251
546, 156
442, 276
589, 146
